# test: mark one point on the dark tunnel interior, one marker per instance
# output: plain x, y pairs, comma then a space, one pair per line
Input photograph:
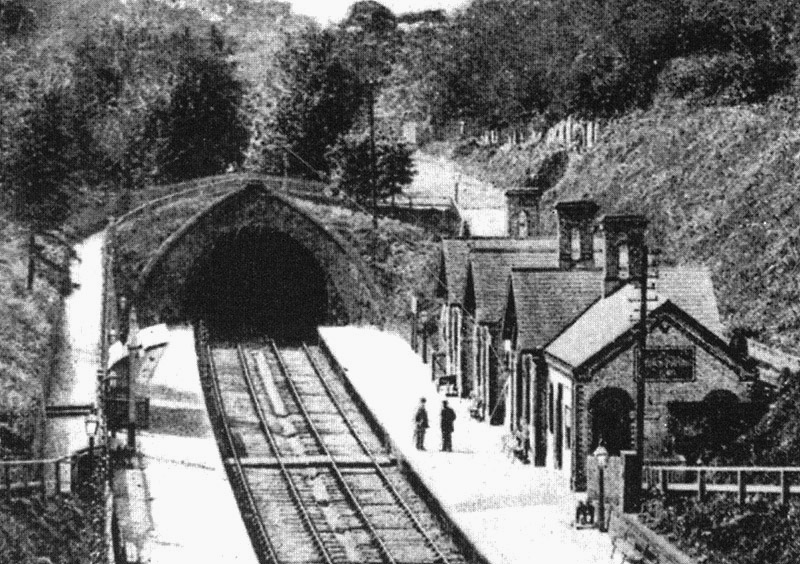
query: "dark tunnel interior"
256, 282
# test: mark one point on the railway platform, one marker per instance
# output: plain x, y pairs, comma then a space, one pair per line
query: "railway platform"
511, 512
178, 504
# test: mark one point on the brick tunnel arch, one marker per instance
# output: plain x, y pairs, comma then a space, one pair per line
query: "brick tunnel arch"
254, 262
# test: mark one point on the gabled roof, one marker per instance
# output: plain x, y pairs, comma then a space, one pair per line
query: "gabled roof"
548, 300
689, 288
595, 334
599, 326
489, 270
456, 252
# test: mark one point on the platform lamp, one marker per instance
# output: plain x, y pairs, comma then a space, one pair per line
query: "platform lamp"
601, 456
414, 307
423, 318
91, 423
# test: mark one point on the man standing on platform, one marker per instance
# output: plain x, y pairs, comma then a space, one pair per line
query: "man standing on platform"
448, 416
420, 424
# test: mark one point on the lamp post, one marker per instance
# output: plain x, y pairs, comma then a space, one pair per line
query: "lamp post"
134, 364
415, 313
91, 423
423, 318
601, 455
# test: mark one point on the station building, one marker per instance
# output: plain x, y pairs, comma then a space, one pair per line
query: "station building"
543, 332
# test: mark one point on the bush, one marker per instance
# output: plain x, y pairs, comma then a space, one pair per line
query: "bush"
201, 132
727, 78
727, 533
394, 167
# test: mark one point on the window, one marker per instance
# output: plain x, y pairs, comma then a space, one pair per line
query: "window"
522, 224
550, 407
575, 242
624, 262
568, 426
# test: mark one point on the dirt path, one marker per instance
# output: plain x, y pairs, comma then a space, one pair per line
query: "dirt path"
75, 378
438, 180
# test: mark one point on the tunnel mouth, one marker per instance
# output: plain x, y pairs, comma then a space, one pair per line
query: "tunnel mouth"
254, 283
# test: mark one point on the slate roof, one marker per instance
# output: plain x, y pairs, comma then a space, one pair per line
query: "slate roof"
688, 288
490, 269
547, 301
456, 253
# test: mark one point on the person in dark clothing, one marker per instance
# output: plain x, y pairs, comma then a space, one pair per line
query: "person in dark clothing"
420, 424
448, 416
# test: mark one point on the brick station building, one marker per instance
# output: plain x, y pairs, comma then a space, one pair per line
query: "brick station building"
559, 356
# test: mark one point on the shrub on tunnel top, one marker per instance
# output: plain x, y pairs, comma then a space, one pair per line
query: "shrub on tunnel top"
394, 167
202, 130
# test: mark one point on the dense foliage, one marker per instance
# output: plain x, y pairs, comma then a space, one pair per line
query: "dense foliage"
321, 101
202, 131
510, 59
394, 168
722, 532
133, 103
776, 439
330, 78
62, 530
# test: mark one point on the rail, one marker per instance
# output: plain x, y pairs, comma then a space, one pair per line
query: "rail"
739, 480
379, 470
236, 473
336, 470
293, 490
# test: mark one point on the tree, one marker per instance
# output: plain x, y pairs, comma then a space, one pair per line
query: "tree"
43, 170
322, 97
202, 130
394, 167
372, 17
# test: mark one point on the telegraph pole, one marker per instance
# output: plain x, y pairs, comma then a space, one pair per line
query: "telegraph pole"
134, 362
642, 337
373, 169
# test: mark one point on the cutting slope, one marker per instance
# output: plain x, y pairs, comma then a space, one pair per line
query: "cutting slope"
719, 186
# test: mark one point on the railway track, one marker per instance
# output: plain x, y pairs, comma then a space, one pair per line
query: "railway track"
317, 483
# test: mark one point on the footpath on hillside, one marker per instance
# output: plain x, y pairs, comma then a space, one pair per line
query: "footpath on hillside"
513, 513
440, 180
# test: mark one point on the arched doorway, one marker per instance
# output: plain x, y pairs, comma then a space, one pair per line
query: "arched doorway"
610, 414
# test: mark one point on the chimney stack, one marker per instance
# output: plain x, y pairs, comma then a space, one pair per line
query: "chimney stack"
624, 246
575, 233
522, 209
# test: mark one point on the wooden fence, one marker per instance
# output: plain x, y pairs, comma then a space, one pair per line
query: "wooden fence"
743, 481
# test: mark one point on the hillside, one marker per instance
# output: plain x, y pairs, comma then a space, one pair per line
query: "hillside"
719, 186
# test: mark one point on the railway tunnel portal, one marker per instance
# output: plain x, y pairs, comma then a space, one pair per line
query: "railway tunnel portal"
255, 263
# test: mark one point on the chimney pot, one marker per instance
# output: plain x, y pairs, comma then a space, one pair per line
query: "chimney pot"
522, 208
624, 233
576, 216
